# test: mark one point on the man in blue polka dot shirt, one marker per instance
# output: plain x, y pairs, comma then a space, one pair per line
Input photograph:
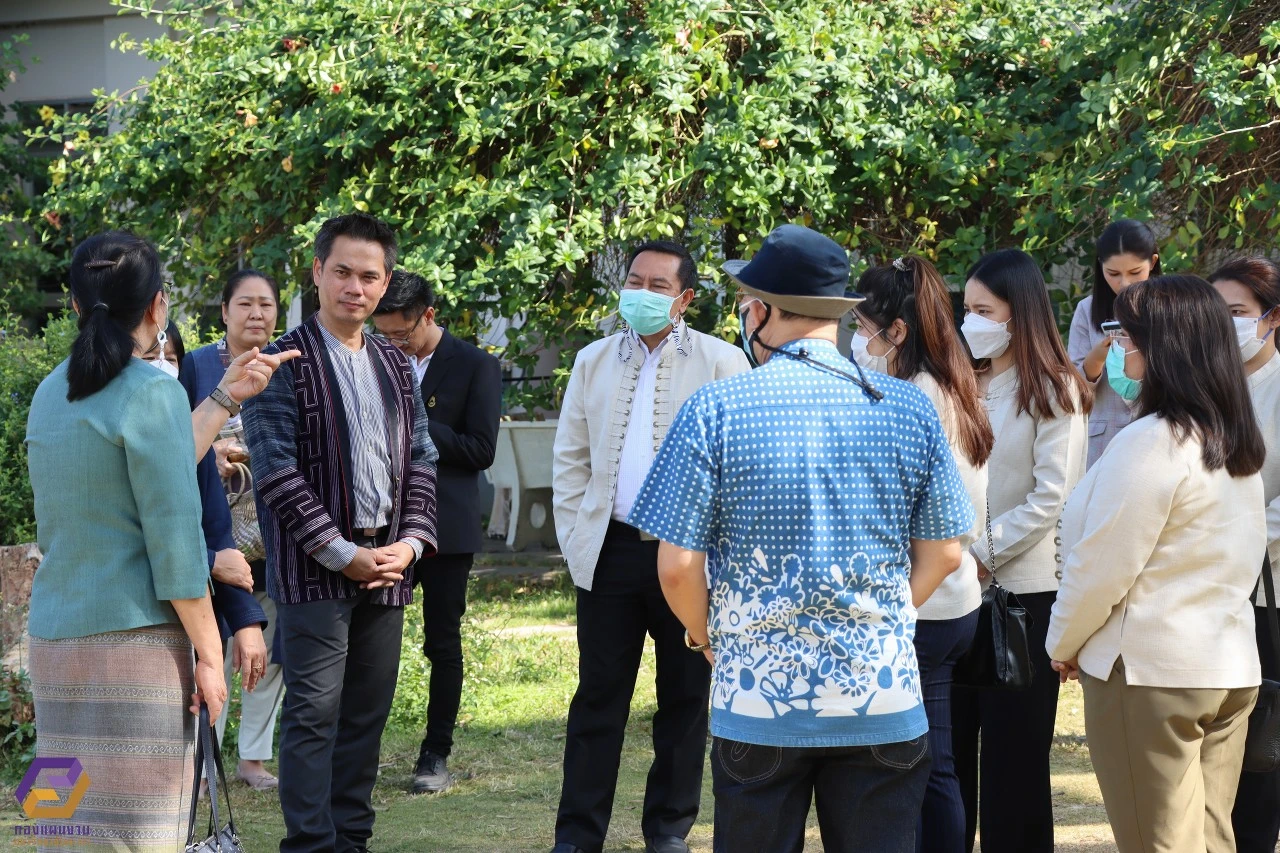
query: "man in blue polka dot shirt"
824, 505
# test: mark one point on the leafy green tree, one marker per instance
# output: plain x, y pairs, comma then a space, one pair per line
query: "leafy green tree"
519, 146
26, 257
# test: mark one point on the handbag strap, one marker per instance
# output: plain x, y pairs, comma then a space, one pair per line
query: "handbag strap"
246, 481
1269, 586
209, 767
991, 545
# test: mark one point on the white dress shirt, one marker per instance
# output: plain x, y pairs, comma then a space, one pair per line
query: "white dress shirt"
637, 447
420, 365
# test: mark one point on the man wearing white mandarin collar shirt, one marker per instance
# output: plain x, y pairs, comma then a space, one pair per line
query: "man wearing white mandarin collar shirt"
623, 394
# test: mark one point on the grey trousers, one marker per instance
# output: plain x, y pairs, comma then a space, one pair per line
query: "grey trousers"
340, 663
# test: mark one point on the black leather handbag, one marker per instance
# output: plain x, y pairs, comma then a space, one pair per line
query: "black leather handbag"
1000, 656
221, 838
1262, 746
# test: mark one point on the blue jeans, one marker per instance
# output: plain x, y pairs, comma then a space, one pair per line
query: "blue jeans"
868, 797
939, 645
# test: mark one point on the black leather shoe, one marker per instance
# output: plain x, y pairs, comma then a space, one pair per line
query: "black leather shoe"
566, 847
665, 844
431, 776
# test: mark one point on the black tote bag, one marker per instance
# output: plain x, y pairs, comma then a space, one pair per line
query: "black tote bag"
1262, 746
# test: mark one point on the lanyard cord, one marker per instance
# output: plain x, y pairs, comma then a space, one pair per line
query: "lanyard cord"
802, 355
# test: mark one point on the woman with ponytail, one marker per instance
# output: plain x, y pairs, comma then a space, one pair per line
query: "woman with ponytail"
121, 597
906, 329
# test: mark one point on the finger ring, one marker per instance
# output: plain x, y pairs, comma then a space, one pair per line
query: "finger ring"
258, 668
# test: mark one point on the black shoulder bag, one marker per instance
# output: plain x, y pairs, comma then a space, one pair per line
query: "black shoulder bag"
1262, 746
1001, 653
221, 839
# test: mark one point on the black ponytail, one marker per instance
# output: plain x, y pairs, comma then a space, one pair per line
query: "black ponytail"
114, 278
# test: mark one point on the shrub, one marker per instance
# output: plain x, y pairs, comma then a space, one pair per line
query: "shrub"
17, 722
25, 360
518, 147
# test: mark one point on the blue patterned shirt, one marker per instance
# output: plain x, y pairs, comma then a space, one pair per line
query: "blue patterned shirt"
805, 494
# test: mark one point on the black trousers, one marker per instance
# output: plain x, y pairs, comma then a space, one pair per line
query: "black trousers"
868, 797
1256, 817
444, 603
1016, 808
340, 663
626, 603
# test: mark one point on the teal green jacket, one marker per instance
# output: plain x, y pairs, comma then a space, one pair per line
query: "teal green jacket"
117, 505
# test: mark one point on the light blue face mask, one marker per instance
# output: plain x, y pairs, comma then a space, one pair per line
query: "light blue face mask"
1127, 388
646, 312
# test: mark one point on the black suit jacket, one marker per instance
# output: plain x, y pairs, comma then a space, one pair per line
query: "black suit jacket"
462, 392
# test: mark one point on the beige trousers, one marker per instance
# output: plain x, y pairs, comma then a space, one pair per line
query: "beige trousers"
1167, 761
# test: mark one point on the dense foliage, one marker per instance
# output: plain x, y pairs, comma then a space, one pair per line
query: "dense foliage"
518, 145
25, 256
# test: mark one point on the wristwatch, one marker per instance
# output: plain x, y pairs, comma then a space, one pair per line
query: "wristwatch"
695, 647
223, 399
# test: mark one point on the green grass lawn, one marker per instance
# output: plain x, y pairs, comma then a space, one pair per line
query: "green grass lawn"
522, 664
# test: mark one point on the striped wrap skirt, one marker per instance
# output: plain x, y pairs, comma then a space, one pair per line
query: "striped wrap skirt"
117, 702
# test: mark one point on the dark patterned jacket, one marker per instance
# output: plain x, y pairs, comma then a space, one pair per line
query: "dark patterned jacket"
300, 453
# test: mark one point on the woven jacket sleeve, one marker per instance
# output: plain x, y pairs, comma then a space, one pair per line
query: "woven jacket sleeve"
271, 432
418, 517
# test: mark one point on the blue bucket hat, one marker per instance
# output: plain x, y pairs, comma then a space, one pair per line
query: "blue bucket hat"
798, 270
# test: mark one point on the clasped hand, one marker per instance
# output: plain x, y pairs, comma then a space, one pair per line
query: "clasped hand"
1066, 669
374, 568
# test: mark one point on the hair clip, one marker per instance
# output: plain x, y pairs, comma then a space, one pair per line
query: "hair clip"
900, 264
102, 264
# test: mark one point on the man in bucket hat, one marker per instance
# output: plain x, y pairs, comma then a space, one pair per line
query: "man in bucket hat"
825, 509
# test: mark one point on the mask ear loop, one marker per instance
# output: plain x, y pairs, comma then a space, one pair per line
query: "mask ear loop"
1263, 317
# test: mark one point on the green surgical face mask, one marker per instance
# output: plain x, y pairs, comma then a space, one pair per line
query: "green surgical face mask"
1127, 388
646, 312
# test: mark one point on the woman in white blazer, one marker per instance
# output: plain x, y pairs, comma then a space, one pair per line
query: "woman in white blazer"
906, 329
1251, 287
1038, 405
1165, 537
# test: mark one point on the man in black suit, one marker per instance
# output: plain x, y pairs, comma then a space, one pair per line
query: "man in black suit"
462, 392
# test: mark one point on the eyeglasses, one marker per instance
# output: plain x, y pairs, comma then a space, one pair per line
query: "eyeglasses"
408, 337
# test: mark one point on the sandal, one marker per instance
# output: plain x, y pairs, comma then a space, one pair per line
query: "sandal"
260, 781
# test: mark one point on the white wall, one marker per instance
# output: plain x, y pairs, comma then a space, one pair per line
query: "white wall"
68, 51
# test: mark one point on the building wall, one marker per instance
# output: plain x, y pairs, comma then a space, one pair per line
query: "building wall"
68, 53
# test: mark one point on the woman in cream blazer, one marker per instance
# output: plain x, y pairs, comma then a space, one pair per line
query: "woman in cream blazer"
1251, 287
1038, 405
1165, 537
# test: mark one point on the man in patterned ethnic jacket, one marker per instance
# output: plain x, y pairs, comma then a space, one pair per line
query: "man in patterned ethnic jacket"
344, 473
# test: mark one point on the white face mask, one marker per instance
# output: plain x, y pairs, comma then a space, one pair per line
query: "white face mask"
858, 349
986, 338
163, 365
1247, 336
